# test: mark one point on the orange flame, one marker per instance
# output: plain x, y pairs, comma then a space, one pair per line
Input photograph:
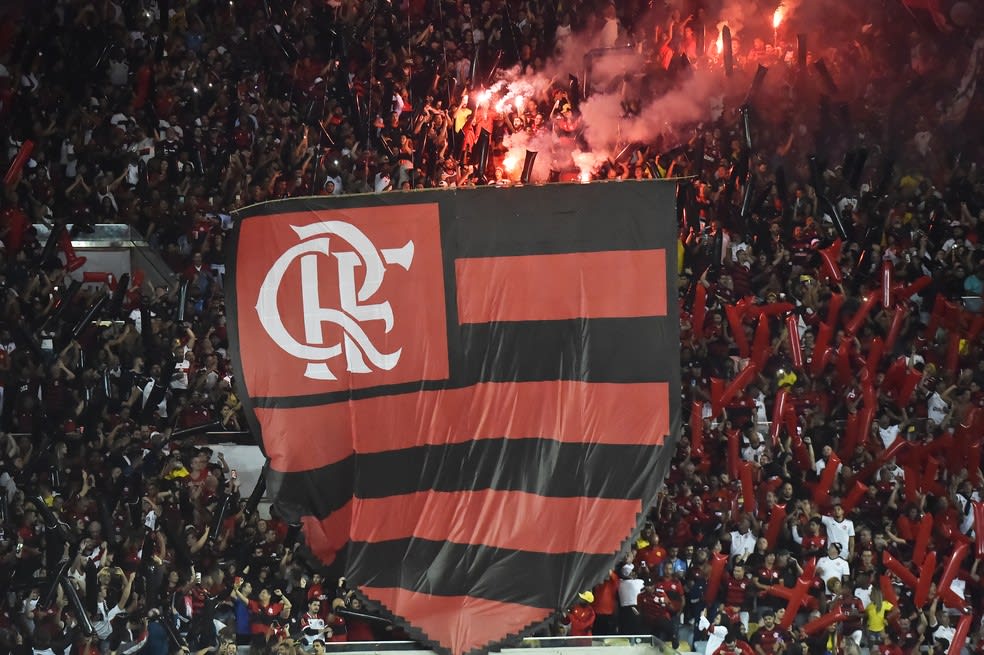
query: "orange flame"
720, 42
778, 16
585, 176
510, 163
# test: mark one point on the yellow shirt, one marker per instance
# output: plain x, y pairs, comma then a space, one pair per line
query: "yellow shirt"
876, 615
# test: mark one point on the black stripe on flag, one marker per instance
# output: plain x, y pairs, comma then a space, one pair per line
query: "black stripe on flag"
537, 466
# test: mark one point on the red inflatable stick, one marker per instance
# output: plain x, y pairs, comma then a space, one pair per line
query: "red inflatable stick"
778, 412
737, 386
796, 598
717, 391
895, 328
760, 346
850, 441
935, 318
821, 346
844, 370
960, 636
925, 580
899, 569
697, 427
830, 261
886, 277
822, 623
902, 294
821, 493
909, 384
774, 527
700, 311
773, 309
952, 567
737, 330
734, 458
834, 308
91, 277
952, 353
17, 165
862, 314
747, 486
979, 528
929, 483
888, 591
795, 349
923, 530
718, 562
854, 496
875, 353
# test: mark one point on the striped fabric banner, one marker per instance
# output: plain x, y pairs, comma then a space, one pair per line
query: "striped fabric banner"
467, 398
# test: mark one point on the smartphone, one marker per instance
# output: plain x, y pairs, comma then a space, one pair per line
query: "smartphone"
19, 549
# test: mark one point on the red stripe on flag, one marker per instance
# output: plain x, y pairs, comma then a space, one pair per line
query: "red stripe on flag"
462, 623
609, 284
327, 536
306, 438
537, 523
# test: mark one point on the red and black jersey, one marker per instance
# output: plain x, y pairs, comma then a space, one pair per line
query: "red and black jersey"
770, 640
736, 591
768, 576
653, 604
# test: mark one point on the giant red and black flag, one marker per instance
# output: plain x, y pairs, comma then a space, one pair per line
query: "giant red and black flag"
466, 396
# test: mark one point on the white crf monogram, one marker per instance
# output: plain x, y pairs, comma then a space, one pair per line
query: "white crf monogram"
354, 310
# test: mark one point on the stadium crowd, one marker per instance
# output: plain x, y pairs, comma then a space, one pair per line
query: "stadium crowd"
826, 488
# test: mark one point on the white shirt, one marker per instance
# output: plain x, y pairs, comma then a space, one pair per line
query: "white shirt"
838, 532
742, 544
888, 435
936, 408
832, 568
104, 619
628, 591
716, 634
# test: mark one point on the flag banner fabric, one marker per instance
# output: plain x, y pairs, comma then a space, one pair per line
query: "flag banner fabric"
467, 398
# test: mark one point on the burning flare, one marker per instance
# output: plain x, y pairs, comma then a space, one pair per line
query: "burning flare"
777, 17
719, 46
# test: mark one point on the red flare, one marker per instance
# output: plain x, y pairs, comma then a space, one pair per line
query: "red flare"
886, 274
17, 165
778, 412
979, 528
774, 527
833, 309
850, 441
899, 569
875, 352
895, 329
821, 493
821, 347
747, 486
718, 562
830, 261
858, 319
792, 327
760, 347
960, 636
737, 329
700, 311
697, 428
923, 530
822, 623
925, 579
888, 591
854, 496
